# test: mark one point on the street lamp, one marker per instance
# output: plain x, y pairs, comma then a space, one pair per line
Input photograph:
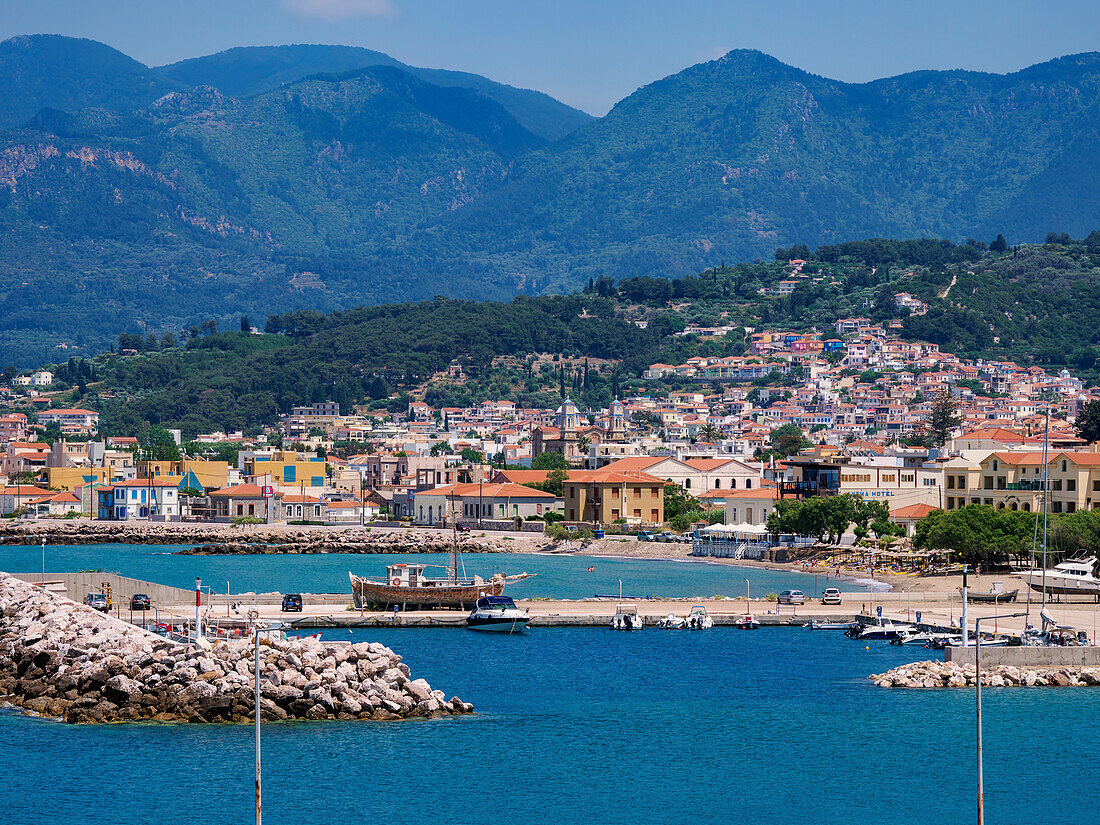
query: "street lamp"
978, 695
44, 564
256, 712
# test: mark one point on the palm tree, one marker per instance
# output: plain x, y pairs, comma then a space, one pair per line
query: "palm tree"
709, 432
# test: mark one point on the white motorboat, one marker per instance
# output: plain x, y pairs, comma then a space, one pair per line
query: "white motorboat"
499, 614
987, 641
747, 622
671, 622
915, 637
699, 619
832, 625
1074, 577
883, 630
626, 618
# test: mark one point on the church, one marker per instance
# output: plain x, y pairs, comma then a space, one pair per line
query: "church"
571, 439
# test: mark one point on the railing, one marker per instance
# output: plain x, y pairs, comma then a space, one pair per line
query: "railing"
1023, 485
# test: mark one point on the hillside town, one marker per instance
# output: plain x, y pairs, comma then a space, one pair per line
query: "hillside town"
800, 414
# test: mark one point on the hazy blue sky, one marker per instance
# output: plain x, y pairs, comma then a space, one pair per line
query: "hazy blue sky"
591, 53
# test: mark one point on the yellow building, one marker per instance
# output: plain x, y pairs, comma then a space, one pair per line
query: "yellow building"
603, 497
286, 468
72, 478
1012, 480
190, 472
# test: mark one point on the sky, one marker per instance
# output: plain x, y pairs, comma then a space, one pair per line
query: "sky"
591, 53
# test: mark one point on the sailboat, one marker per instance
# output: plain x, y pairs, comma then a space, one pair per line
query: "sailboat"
408, 585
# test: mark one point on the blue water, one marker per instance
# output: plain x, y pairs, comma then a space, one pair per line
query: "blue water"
559, 577
589, 726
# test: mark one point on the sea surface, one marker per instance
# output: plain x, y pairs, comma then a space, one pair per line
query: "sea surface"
581, 726
559, 576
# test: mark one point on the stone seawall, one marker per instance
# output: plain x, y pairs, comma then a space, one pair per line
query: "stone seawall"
954, 675
211, 539
63, 659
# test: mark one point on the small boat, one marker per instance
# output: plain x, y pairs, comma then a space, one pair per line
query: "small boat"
498, 614
747, 622
884, 630
1073, 577
671, 622
996, 595
406, 585
832, 625
987, 641
914, 637
699, 619
626, 618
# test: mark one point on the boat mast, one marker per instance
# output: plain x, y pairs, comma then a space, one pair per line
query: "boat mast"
454, 533
1046, 496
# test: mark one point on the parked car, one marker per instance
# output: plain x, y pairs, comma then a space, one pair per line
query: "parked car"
792, 597
830, 596
667, 536
292, 602
139, 601
97, 601
462, 527
647, 535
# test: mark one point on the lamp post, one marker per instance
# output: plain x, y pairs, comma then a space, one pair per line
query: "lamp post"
44, 566
256, 713
978, 700
748, 605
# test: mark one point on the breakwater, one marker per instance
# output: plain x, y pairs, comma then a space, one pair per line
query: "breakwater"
66, 660
227, 539
954, 675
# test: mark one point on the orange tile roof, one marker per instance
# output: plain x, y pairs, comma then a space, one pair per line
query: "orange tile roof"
606, 476
913, 511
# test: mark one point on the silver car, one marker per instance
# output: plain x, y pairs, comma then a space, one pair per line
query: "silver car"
792, 597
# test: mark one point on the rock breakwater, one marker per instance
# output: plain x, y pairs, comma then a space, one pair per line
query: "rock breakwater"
63, 659
954, 675
218, 539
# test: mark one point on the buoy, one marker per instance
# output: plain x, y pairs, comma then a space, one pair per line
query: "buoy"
867, 648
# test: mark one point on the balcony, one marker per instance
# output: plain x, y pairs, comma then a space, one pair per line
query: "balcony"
1023, 485
824, 487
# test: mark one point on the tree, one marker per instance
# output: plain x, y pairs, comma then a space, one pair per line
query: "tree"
943, 418
550, 460
708, 432
52, 432
999, 244
157, 444
438, 449
246, 325
787, 440
977, 534
1088, 422
555, 482
472, 455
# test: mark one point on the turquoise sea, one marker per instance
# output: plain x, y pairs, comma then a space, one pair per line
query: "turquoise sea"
559, 577
584, 726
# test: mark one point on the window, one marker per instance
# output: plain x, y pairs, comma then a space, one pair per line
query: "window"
687, 483
1064, 465
951, 486
994, 465
240, 512
290, 474
748, 485
637, 513
1096, 486
1071, 506
1001, 482
1056, 507
637, 492
1071, 484
654, 517
951, 504
962, 482
1057, 484
252, 512
718, 485
988, 482
888, 477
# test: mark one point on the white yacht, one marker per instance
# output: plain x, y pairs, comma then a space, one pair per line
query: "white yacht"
1074, 577
497, 613
671, 622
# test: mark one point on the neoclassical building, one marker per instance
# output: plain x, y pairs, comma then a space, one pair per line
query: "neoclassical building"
566, 435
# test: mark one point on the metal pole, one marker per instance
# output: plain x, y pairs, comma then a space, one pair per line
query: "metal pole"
620, 589
1046, 496
198, 606
227, 600
748, 606
978, 702
44, 563
963, 618
256, 714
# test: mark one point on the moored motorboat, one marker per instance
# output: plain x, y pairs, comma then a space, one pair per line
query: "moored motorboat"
914, 637
626, 618
832, 625
671, 622
699, 619
885, 629
747, 622
498, 614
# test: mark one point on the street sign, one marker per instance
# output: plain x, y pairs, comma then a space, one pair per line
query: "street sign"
269, 492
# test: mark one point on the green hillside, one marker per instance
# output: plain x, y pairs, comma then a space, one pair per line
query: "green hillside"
253, 70
48, 71
376, 184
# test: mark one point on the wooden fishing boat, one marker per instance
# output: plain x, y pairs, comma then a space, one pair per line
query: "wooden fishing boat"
997, 595
407, 585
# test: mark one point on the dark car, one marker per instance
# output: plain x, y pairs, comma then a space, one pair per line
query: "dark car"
292, 602
462, 527
139, 601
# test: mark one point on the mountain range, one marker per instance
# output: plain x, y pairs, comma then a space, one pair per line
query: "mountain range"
264, 179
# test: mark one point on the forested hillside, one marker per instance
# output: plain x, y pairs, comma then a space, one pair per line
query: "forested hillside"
1032, 304
126, 206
